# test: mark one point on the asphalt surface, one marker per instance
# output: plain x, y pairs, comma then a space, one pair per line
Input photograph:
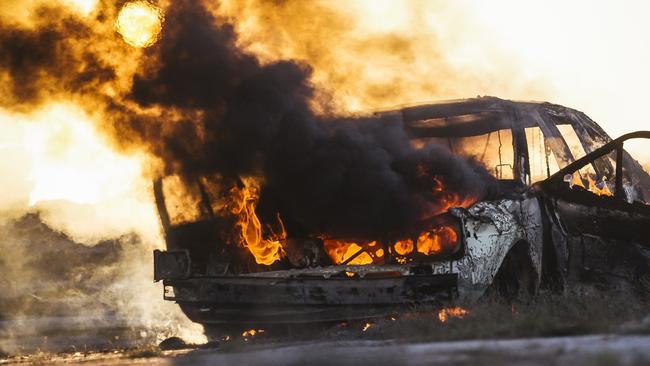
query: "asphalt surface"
574, 351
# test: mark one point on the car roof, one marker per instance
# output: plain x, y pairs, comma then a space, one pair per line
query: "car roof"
481, 115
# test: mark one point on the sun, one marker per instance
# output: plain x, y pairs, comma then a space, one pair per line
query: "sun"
139, 23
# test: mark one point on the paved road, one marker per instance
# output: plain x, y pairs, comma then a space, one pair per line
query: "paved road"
599, 350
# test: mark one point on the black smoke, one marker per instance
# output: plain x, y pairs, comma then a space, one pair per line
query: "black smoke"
51, 58
353, 178
344, 177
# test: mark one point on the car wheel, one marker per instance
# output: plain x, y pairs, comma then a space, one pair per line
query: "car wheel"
516, 277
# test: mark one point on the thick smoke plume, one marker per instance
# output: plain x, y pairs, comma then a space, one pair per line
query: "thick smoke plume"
56, 56
357, 178
217, 108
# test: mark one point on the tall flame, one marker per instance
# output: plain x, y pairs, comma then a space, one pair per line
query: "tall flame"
265, 250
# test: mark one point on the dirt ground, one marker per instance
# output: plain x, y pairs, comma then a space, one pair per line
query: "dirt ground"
597, 350
571, 329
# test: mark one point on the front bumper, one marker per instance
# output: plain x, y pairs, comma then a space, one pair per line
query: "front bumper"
296, 296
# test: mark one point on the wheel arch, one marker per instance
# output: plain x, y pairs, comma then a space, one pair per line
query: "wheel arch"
518, 273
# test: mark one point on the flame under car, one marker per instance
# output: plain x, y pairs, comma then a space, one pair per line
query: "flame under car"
571, 204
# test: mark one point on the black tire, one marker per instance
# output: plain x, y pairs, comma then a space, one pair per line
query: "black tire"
516, 278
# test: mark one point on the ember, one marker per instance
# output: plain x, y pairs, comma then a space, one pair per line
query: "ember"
251, 333
451, 312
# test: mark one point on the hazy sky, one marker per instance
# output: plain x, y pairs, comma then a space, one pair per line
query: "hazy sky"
595, 54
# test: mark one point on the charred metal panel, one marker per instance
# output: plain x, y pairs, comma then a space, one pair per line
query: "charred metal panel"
170, 265
601, 221
452, 108
555, 241
361, 271
609, 264
493, 228
332, 291
598, 239
487, 124
260, 315
160, 205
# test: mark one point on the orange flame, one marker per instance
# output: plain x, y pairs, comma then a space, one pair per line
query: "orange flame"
576, 180
451, 312
251, 332
404, 247
432, 242
429, 242
265, 250
593, 187
445, 198
268, 250
340, 251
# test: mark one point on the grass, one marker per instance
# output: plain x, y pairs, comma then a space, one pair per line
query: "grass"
147, 351
546, 315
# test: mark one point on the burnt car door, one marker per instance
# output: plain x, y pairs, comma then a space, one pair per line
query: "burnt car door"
597, 214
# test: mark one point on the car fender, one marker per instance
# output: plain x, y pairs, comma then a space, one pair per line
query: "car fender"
492, 228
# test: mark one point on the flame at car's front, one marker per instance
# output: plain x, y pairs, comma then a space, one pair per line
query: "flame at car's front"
433, 239
265, 249
430, 242
234, 202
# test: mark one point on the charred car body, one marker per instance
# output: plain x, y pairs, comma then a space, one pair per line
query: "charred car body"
572, 204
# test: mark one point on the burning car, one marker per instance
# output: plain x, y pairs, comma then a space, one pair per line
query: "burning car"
569, 203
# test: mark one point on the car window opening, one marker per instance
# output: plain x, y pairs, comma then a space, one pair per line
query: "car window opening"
589, 178
542, 161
